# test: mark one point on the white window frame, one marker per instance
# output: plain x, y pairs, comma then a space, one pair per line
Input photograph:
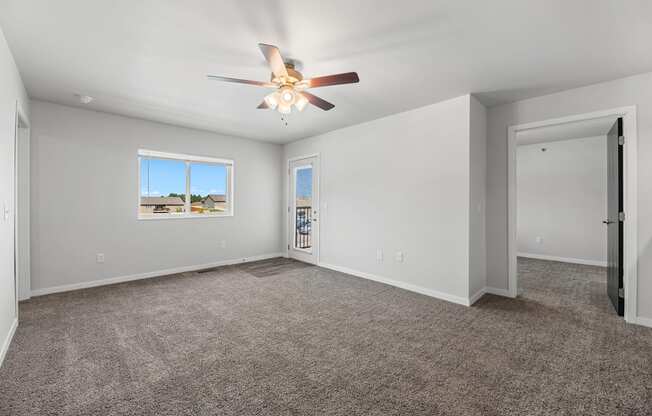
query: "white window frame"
188, 159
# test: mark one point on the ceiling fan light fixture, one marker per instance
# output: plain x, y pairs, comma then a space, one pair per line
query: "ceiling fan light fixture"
289, 85
288, 95
300, 102
272, 100
284, 108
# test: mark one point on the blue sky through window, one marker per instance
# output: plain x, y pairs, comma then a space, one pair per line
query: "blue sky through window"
161, 177
207, 179
304, 183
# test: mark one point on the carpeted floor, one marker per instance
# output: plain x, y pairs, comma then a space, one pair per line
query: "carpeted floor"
282, 338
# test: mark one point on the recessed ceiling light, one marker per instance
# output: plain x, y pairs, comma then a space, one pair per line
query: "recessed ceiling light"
84, 99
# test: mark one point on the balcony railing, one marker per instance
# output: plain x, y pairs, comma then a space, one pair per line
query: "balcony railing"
303, 227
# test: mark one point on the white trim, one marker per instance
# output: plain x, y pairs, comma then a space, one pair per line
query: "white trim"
230, 174
563, 259
303, 250
287, 190
138, 173
489, 290
229, 191
291, 207
402, 285
294, 177
630, 198
147, 275
480, 293
20, 292
187, 203
184, 216
20, 111
498, 292
292, 159
7, 340
181, 156
639, 320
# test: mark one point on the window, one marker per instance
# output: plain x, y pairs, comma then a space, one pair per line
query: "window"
303, 207
184, 186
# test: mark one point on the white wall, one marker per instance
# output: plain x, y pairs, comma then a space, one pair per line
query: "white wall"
562, 198
11, 90
477, 202
400, 183
84, 196
635, 90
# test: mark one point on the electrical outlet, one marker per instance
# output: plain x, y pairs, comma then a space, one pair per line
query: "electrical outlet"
223, 243
399, 256
99, 257
539, 239
379, 255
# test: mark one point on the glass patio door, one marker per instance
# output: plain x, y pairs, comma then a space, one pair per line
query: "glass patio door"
303, 206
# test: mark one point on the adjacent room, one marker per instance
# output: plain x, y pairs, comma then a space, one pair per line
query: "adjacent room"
309, 208
562, 175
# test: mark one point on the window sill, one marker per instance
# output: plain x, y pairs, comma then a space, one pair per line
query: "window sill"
181, 217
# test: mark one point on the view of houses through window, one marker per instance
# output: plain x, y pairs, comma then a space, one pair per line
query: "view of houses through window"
172, 187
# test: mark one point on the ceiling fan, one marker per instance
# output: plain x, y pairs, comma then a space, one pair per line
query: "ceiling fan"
289, 85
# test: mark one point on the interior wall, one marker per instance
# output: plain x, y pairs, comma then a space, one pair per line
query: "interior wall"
635, 90
84, 199
398, 184
562, 200
11, 91
477, 202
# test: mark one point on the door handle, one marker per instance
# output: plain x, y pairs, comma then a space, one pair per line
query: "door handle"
607, 222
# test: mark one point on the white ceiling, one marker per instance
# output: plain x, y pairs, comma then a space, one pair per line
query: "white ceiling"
567, 131
149, 58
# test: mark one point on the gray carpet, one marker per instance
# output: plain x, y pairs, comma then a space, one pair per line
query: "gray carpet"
310, 341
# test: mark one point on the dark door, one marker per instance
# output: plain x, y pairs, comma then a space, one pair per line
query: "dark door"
615, 216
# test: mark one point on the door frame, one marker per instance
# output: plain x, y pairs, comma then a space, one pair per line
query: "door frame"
630, 198
21, 286
288, 238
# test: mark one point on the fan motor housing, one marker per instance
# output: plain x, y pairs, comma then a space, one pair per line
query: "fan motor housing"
294, 76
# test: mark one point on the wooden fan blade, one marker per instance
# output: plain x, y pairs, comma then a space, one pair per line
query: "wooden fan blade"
243, 81
263, 105
318, 102
274, 59
328, 80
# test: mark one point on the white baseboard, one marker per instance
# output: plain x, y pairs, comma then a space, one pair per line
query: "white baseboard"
480, 293
7, 340
407, 286
489, 290
498, 292
147, 275
563, 259
639, 320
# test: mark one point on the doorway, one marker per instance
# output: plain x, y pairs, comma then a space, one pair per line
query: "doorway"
303, 209
619, 250
22, 206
